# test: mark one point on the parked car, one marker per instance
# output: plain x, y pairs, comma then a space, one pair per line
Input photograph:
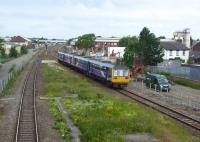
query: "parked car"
159, 82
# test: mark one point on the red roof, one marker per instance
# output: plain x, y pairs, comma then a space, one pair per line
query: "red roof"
196, 47
18, 39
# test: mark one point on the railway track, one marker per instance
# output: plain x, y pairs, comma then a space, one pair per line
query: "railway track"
26, 129
187, 120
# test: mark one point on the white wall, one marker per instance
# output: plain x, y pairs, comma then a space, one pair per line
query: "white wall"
119, 50
167, 55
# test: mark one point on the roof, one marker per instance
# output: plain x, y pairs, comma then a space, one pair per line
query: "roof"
19, 39
196, 47
111, 39
173, 45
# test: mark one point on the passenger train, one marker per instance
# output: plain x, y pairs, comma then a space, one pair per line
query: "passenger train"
113, 75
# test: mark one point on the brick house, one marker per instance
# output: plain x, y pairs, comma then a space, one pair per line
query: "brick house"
18, 40
195, 53
102, 44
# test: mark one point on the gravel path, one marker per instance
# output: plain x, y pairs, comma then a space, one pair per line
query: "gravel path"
18, 62
184, 99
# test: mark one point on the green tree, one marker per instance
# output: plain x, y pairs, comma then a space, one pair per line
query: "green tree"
2, 50
86, 41
13, 52
131, 44
23, 50
149, 49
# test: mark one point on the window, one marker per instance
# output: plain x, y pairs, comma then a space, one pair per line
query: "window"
170, 53
183, 52
177, 52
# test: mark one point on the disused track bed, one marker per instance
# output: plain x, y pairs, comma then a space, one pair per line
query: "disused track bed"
187, 120
26, 129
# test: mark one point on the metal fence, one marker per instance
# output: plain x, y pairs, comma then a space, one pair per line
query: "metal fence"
4, 83
176, 96
179, 71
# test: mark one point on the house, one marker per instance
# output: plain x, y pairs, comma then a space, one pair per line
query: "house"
195, 53
102, 44
178, 47
174, 50
18, 40
8, 45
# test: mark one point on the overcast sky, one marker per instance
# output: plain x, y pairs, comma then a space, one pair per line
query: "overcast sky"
70, 18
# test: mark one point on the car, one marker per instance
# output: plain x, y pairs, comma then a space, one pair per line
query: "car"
157, 81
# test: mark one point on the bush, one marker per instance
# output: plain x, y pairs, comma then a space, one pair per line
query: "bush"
2, 52
13, 52
24, 50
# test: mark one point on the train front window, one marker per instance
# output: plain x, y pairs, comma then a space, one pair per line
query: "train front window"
120, 73
125, 72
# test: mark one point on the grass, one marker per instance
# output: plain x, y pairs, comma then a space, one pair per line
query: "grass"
7, 60
60, 124
103, 118
184, 82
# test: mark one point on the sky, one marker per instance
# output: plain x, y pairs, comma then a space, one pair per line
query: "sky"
71, 18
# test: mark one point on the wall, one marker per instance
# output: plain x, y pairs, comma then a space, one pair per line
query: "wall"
116, 50
167, 55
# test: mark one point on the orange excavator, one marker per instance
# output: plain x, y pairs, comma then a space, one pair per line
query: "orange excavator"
136, 68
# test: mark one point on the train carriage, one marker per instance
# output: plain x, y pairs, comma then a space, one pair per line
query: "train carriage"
115, 75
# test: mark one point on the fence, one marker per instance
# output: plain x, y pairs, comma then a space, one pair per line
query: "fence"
176, 96
5, 83
179, 71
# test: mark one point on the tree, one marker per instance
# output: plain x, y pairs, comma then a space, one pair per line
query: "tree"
131, 44
23, 50
13, 52
86, 41
2, 50
146, 49
149, 49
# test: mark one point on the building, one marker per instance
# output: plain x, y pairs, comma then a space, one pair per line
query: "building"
102, 44
8, 45
183, 37
18, 41
174, 50
106, 42
116, 52
195, 53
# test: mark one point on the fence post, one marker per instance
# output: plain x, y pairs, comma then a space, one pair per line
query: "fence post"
142, 86
155, 87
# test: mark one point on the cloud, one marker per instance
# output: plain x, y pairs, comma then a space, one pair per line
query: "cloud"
69, 18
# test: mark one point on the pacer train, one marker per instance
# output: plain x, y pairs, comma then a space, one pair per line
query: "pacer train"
113, 75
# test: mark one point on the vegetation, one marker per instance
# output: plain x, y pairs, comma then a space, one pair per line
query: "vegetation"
131, 44
102, 117
86, 41
24, 50
60, 124
147, 48
13, 52
2, 50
